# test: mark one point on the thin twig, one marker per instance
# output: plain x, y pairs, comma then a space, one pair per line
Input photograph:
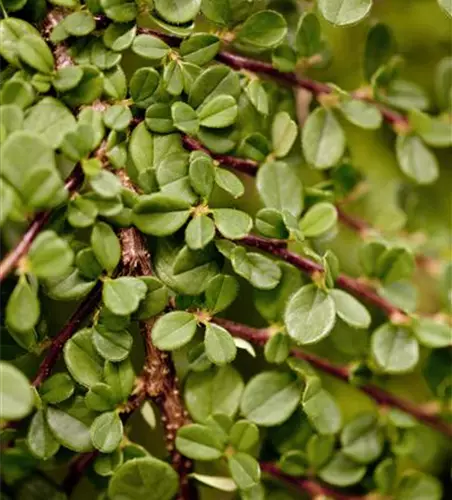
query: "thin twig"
81, 313
11, 260
260, 336
313, 488
354, 286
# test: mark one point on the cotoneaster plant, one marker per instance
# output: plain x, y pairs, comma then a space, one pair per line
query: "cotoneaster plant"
225, 234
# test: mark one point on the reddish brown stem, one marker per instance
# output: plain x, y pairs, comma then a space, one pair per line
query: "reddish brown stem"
58, 342
352, 285
241, 164
312, 488
21, 249
355, 223
260, 336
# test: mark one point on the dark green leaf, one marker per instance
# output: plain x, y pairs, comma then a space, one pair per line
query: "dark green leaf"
270, 398
155, 300
144, 478
310, 315
319, 449
173, 330
294, 463
308, 35
265, 29
200, 48
217, 390
123, 295
16, 395
379, 48
394, 348
198, 442
244, 469
215, 80
385, 475
82, 360
106, 246
120, 377
323, 139
119, 37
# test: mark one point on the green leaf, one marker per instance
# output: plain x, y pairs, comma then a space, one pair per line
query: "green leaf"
184, 118
11, 31
106, 246
143, 85
123, 295
379, 48
17, 92
106, 432
361, 113
117, 117
369, 254
198, 442
51, 120
173, 78
202, 175
244, 469
221, 292
67, 78
57, 388
294, 463
50, 256
214, 81
177, 11
362, 441
277, 348
384, 475
270, 223
119, 37
319, 449
350, 310
155, 300
318, 220
270, 398
36, 53
284, 133
69, 287
101, 397
106, 184
145, 478
394, 348
199, 232
121, 11
218, 112
173, 330
433, 131
271, 304
322, 410
229, 182
432, 333
16, 394
23, 150
183, 270
114, 346
78, 143
200, 48
416, 160
265, 29
310, 315
280, 187
217, 390
341, 471
344, 12
443, 83
106, 464
120, 377
323, 139
82, 360
308, 35
217, 482
395, 264
231, 223
88, 90
150, 47
416, 485
22, 308
40, 439
79, 23
446, 6
70, 431
159, 214
260, 271
219, 344
244, 435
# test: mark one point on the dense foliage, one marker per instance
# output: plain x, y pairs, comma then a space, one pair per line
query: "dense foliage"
226, 231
